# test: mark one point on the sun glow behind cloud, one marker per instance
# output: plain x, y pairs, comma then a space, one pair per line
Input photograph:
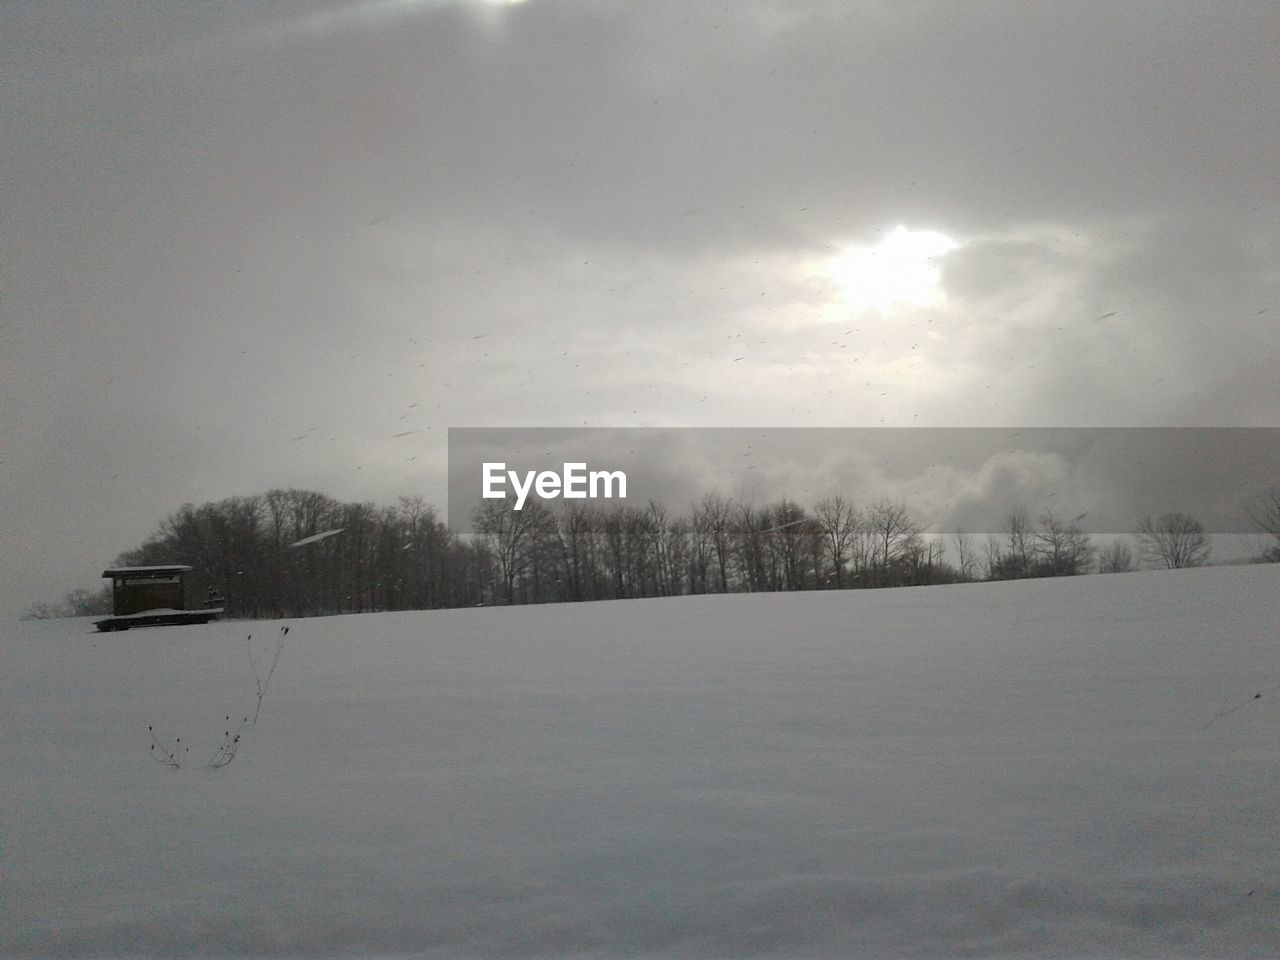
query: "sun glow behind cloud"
901, 270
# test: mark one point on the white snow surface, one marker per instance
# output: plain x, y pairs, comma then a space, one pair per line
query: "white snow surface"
1022, 769
316, 537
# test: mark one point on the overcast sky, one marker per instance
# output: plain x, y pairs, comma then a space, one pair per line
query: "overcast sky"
250, 245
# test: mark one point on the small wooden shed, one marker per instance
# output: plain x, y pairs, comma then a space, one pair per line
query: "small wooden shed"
151, 596
134, 589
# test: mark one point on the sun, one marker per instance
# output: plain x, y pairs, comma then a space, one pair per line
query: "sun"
901, 270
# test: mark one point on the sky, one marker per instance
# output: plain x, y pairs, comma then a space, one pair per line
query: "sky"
250, 246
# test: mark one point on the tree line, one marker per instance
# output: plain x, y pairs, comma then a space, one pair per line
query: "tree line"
291, 553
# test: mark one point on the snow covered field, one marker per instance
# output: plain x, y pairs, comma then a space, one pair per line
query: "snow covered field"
1016, 769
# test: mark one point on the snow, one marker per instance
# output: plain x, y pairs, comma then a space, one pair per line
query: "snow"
1045, 768
163, 568
164, 611
317, 537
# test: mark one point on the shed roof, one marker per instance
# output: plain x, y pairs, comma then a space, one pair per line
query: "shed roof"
158, 571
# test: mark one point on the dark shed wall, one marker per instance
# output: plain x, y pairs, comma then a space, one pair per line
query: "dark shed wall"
134, 596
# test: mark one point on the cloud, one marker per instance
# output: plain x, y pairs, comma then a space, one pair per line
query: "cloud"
306, 217
316, 24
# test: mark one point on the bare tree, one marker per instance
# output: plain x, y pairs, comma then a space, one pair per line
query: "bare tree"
713, 518
77, 603
1018, 559
862, 553
701, 551
423, 533
784, 545
1021, 544
993, 559
1064, 549
512, 535
966, 556
839, 521
576, 528
665, 542
1117, 558
894, 533
1174, 539
923, 561
814, 553
1265, 512
750, 523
